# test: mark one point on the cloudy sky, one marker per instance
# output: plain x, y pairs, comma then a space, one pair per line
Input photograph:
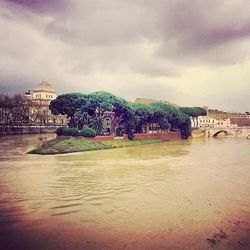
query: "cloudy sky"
190, 52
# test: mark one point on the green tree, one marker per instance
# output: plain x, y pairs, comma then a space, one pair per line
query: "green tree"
82, 118
182, 122
163, 114
143, 114
67, 104
194, 113
98, 124
101, 102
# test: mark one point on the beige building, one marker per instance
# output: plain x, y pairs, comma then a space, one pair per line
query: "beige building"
44, 91
212, 122
32, 108
217, 119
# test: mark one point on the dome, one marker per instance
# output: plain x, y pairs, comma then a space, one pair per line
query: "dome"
44, 86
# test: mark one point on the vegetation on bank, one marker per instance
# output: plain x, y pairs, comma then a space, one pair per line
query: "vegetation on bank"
70, 145
87, 111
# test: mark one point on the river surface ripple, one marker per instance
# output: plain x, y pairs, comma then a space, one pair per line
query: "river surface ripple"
192, 194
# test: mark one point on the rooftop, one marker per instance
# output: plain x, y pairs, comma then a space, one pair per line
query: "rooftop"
44, 86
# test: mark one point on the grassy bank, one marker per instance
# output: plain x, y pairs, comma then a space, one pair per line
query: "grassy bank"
70, 145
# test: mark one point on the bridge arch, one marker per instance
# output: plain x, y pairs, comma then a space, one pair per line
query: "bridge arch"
221, 131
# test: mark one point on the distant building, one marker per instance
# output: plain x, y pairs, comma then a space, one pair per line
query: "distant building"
217, 118
44, 91
32, 108
211, 122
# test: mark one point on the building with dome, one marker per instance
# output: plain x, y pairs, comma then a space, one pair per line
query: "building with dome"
44, 91
30, 113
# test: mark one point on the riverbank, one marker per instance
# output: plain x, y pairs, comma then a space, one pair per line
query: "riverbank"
71, 145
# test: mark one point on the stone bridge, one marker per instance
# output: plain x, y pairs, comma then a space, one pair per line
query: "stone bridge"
235, 132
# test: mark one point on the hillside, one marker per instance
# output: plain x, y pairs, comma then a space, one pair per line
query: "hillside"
149, 101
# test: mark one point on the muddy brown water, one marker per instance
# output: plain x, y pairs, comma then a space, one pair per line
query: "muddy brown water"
191, 194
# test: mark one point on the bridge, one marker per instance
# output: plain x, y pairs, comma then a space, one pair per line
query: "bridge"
228, 131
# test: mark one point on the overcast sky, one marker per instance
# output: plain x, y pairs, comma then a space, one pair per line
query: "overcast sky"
190, 52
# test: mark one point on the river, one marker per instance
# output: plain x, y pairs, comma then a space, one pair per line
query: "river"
192, 194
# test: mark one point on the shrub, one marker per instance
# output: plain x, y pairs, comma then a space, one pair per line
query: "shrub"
88, 132
59, 131
130, 135
67, 131
72, 132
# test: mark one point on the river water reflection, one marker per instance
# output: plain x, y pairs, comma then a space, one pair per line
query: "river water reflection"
174, 195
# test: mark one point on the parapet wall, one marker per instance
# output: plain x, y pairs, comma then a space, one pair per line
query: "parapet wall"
162, 136
103, 138
16, 130
152, 136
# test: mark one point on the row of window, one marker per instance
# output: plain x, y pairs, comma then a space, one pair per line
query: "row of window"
206, 121
40, 96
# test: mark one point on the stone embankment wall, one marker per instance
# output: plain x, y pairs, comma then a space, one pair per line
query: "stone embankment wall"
198, 133
162, 136
15, 130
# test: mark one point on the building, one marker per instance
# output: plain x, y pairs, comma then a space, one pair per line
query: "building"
31, 108
44, 91
39, 102
212, 122
217, 118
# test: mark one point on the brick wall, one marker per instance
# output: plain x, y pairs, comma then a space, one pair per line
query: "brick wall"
103, 138
241, 122
162, 136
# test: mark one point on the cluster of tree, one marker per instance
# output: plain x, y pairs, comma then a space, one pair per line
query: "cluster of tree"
13, 110
17, 110
157, 116
89, 111
8, 101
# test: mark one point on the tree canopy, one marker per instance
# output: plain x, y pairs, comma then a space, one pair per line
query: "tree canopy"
89, 111
194, 111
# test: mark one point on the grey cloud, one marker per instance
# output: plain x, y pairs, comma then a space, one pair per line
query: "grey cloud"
155, 69
39, 6
196, 30
103, 24
115, 45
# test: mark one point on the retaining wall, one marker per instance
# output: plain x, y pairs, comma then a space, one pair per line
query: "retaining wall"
162, 136
103, 138
15, 130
